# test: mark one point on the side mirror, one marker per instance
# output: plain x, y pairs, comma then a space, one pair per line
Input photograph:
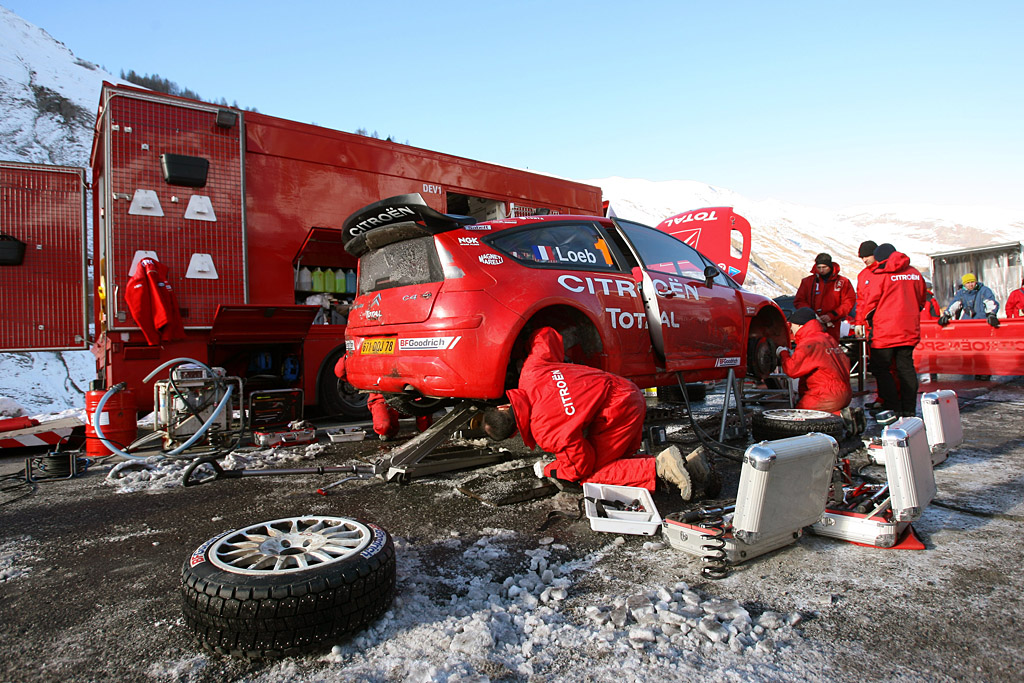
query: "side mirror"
710, 273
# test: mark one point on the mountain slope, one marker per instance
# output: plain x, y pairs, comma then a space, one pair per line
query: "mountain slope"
48, 100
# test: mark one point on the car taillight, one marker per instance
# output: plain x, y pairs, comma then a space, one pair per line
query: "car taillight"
451, 271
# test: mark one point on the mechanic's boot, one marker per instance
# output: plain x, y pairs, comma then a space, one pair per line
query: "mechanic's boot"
699, 468
670, 467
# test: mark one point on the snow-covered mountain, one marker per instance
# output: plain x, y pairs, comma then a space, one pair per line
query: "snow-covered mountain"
48, 101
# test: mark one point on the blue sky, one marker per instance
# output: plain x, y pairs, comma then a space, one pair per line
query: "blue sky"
824, 103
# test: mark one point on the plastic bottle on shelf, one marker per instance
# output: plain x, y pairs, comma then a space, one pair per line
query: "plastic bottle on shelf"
304, 281
318, 281
329, 281
350, 281
340, 286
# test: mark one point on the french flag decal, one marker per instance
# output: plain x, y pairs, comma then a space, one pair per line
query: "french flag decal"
543, 253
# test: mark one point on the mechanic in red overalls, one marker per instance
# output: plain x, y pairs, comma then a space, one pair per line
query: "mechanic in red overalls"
590, 420
820, 364
1015, 302
385, 418
827, 293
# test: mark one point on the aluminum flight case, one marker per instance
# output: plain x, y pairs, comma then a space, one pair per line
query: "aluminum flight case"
911, 486
783, 487
941, 414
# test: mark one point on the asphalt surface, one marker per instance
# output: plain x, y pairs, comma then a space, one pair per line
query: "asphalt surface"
89, 576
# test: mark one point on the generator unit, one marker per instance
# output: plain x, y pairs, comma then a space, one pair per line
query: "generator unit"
191, 399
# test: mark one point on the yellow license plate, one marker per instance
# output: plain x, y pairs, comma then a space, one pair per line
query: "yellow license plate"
378, 345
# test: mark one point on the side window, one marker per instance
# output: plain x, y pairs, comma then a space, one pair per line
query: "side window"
664, 253
558, 244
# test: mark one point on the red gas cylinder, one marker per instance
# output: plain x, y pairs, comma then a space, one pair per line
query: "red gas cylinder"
117, 421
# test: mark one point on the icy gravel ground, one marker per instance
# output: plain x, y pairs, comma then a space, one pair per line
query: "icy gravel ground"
16, 558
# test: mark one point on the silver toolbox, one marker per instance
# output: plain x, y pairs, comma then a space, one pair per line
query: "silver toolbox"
941, 414
878, 530
783, 487
908, 468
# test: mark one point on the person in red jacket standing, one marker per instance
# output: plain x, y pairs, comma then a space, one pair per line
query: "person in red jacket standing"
866, 253
1015, 302
820, 364
894, 311
827, 293
589, 419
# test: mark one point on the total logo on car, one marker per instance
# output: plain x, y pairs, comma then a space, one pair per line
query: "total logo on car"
445, 304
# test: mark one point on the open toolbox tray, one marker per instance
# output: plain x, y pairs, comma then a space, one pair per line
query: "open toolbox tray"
783, 488
909, 488
643, 523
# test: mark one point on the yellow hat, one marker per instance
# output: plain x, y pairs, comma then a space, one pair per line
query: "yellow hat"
969, 277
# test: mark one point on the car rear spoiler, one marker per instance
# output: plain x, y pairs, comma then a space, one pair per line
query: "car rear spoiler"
395, 219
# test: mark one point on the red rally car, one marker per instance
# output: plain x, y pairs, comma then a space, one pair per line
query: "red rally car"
445, 304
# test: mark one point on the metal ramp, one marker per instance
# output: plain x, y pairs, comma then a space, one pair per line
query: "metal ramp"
406, 460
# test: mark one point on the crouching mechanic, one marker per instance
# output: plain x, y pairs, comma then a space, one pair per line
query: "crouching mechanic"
820, 364
590, 420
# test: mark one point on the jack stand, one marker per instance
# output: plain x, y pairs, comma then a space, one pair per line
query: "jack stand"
732, 388
403, 462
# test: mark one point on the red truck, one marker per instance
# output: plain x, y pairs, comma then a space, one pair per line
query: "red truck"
245, 211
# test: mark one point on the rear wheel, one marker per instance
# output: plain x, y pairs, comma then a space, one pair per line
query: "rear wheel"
782, 423
338, 397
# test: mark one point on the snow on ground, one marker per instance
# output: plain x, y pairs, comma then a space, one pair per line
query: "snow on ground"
16, 558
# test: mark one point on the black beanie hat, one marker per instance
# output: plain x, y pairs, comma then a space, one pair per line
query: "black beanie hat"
884, 251
802, 316
823, 259
867, 249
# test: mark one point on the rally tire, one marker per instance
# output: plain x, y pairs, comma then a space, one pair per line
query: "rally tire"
338, 397
786, 422
267, 613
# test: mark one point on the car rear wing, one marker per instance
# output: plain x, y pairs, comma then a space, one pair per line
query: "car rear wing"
395, 219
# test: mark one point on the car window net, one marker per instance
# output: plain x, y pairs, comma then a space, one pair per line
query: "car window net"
410, 262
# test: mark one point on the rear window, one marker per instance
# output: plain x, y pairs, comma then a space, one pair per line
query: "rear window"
409, 262
560, 244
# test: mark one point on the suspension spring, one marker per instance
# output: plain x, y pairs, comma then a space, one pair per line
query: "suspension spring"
715, 561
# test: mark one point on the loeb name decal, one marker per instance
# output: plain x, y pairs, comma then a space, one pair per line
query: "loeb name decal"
427, 343
491, 259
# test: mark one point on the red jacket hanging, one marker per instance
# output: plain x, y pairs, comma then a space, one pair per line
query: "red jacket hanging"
152, 303
832, 296
823, 369
590, 420
894, 303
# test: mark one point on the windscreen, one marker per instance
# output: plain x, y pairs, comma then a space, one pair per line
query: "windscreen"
409, 262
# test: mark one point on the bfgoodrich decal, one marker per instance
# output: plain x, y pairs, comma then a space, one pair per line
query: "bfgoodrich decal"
427, 343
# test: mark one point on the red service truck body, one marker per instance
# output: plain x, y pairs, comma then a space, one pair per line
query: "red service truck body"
245, 211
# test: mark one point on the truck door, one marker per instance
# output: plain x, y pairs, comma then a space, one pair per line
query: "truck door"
42, 258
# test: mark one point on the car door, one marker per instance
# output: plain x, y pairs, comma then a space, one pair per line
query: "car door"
700, 324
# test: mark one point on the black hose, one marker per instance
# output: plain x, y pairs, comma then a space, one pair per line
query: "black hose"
702, 436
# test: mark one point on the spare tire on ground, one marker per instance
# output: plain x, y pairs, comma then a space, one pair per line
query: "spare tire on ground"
781, 423
289, 585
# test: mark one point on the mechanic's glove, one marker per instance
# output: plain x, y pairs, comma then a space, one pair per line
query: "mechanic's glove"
993, 320
858, 331
780, 349
954, 308
944, 319
990, 307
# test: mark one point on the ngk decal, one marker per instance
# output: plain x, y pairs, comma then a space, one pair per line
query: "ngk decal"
616, 287
469, 241
428, 343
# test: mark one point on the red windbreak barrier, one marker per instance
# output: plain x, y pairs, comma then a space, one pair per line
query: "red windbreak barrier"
971, 347
712, 231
